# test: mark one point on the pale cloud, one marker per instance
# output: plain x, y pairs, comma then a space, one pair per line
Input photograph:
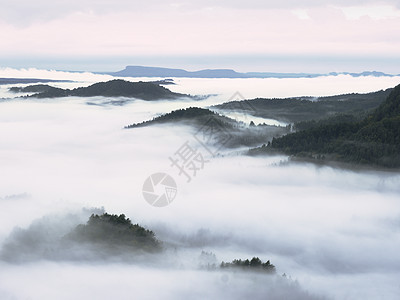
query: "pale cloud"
206, 32
130, 28
375, 12
55, 75
301, 14
22, 12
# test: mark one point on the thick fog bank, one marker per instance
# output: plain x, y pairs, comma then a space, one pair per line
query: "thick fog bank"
335, 231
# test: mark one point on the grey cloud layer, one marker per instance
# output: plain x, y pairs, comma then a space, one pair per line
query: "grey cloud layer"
24, 11
336, 231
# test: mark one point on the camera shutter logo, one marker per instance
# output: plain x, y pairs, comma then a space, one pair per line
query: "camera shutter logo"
159, 189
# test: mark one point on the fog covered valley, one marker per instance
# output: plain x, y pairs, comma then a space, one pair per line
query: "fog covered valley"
333, 232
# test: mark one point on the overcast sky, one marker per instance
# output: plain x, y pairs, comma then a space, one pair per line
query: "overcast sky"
252, 35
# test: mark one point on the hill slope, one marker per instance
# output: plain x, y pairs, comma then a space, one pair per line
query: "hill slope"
291, 110
226, 131
375, 140
192, 115
113, 232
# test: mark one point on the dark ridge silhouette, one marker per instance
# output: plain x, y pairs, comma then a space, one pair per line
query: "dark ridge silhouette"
37, 88
113, 232
226, 132
115, 88
373, 140
191, 114
255, 264
291, 110
104, 237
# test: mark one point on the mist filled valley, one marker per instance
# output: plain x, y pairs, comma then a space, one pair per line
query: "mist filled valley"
331, 230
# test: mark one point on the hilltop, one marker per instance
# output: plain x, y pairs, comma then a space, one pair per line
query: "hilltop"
114, 233
192, 115
113, 88
226, 131
36, 88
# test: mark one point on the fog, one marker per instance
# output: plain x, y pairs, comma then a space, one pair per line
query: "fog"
335, 232
225, 88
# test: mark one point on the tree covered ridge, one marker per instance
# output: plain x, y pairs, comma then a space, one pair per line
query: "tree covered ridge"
374, 140
225, 131
197, 114
390, 108
112, 88
115, 230
108, 238
255, 264
300, 109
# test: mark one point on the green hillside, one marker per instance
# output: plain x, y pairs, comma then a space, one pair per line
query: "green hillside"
298, 109
374, 140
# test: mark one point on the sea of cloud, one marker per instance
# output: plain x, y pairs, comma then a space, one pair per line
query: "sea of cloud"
335, 231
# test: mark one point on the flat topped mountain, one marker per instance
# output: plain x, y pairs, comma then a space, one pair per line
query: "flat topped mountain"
142, 71
114, 88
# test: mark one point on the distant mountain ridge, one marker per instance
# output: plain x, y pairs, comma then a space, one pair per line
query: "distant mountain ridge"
142, 71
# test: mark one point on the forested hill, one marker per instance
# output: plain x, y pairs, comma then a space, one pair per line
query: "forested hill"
227, 133
109, 231
194, 115
300, 109
375, 140
114, 88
